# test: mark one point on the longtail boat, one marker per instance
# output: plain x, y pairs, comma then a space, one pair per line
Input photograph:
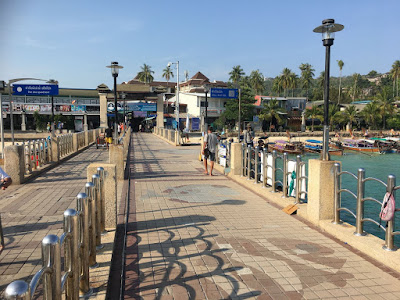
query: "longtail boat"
315, 146
285, 146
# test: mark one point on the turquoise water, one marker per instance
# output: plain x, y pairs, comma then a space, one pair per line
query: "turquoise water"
375, 165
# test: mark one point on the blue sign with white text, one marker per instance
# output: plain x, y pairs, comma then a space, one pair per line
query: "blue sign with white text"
224, 93
195, 124
142, 106
35, 89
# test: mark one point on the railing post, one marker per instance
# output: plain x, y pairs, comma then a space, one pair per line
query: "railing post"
265, 167
360, 202
71, 226
273, 166
298, 181
256, 163
248, 162
285, 173
29, 157
243, 160
17, 290
389, 237
96, 182
336, 171
34, 155
100, 171
51, 258
83, 208
89, 190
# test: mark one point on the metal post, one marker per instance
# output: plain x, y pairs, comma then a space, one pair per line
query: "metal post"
96, 182
256, 163
239, 121
11, 112
360, 202
17, 290
89, 189
206, 115
389, 237
52, 127
249, 162
51, 258
177, 103
265, 167
243, 160
71, 226
100, 171
83, 208
2, 126
273, 179
285, 173
29, 157
298, 181
115, 110
337, 195
325, 146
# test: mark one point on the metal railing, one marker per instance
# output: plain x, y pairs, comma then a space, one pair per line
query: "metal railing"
65, 144
37, 153
255, 166
80, 241
81, 139
361, 198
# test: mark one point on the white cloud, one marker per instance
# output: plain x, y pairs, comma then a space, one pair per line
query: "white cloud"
37, 44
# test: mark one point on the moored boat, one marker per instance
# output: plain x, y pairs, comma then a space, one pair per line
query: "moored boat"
315, 146
285, 146
360, 146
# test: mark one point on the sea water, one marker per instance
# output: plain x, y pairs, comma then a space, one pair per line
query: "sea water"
375, 165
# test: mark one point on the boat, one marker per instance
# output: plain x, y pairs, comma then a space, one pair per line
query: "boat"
315, 146
285, 146
362, 145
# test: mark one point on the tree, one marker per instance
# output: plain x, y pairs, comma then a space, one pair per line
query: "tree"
40, 121
277, 85
292, 82
257, 81
395, 73
355, 89
372, 74
236, 74
307, 74
167, 73
340, 64
385, 104
313, 113
350, 115
321, 83
286, 78
145, 74
370, 113
271, 111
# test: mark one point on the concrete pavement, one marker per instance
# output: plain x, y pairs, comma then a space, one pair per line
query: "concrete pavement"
194, 236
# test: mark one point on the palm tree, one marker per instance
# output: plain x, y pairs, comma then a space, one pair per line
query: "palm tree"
257, 81
385, 104
370, 113
271, 112
395, 73
313, 113
145, 75
236, 74
167, 73
307, 74
277, 85
292, 82
286, 79
350, 115
355, 89
321, 82
340, 64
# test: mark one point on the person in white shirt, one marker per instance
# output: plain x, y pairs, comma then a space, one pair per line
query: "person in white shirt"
5, 179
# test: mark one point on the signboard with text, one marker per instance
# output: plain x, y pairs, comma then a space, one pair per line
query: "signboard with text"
224, 93
195, 124
35, 89
142, 106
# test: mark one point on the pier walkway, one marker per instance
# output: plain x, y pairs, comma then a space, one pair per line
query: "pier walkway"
192, 236
35, 209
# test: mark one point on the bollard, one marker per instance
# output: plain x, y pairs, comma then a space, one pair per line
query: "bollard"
389, 237
249, 162
90, 192
273, 166
360, 202
336, 170
100, 171
285, 174
96, 182
51, 258
17, 290
83, 208
298, 181
71, 226
256, 163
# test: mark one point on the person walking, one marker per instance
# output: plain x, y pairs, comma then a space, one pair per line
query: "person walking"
248, 136
210, 146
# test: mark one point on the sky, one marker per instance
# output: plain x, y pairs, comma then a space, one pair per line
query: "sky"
73, 41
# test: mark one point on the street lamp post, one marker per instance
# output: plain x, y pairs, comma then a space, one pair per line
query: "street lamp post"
53, 130
206, 109
123, 96
328, 29
177, 94
114, 71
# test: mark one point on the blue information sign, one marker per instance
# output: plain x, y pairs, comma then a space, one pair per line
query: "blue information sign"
35, 89
142, 106
195, 124
224, 93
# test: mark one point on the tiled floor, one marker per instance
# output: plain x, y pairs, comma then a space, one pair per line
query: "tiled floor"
31, 211
202, 237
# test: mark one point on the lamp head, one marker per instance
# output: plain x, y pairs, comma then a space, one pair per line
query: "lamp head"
328, 29
169, 64
114, 68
